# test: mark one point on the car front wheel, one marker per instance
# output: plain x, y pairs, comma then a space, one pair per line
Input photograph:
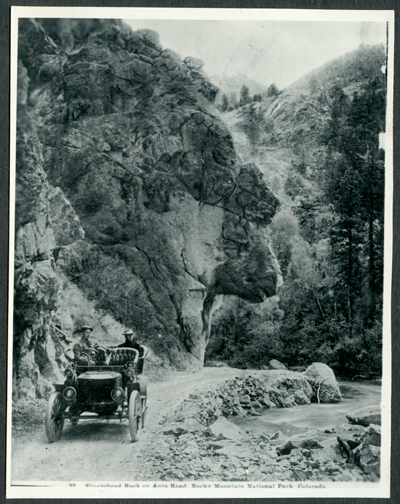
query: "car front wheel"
135, 414
54, 421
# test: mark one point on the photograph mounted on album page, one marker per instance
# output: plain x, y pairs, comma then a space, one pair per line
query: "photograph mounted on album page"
201, 255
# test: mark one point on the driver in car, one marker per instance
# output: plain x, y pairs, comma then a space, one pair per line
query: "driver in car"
85, 351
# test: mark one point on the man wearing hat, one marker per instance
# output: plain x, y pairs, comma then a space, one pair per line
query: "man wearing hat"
131, 342
85, 351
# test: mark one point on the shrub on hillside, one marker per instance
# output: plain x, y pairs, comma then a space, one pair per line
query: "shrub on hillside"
273, 90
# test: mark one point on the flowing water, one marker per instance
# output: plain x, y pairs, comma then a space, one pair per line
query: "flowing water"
299, 419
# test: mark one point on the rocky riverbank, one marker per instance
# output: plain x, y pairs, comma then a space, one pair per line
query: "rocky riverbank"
199, 442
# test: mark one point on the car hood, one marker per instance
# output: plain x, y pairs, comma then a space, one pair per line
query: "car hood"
98, 375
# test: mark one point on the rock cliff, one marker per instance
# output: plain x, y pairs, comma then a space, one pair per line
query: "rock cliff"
128, 187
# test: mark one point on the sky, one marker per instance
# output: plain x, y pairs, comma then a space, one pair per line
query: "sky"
277, 52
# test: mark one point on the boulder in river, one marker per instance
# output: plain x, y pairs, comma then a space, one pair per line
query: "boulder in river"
366, 416
323, 381
275, 364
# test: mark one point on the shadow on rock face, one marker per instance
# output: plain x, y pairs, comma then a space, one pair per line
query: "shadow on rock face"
251, 270
253, 276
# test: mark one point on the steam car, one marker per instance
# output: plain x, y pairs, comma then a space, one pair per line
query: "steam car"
109, 389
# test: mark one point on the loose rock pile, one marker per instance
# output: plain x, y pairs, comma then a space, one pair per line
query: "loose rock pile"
200, 443
248, 396
278, 388
365, 450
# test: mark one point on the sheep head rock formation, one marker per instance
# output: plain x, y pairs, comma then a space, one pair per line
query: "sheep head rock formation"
137, 184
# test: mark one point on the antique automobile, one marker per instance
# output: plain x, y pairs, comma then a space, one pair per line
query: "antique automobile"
106, 389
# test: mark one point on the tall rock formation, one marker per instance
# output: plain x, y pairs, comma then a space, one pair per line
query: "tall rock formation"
128, 185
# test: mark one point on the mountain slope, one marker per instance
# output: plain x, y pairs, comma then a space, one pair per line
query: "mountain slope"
353, 67
301, 112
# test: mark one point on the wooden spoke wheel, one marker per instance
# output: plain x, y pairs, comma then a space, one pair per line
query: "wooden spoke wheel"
135, 415
144, 409
54, 421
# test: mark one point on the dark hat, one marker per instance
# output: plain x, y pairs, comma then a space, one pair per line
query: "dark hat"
84, 327
128, 332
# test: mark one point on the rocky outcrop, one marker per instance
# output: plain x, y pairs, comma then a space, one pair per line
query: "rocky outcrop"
45, 222
65, 223
36, 282
324, 382
128, 185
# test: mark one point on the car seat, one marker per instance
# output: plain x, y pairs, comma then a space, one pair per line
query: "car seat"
120, 356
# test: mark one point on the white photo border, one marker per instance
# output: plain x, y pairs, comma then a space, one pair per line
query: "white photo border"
111, 490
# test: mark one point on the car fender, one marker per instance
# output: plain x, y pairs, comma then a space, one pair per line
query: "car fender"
132, 386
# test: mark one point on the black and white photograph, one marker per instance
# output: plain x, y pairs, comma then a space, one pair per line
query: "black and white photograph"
200, 253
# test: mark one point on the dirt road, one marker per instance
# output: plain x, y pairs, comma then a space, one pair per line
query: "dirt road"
103, 451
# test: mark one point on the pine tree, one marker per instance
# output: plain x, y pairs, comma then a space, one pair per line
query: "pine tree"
244, 96
356, 190
273, 90
225, 104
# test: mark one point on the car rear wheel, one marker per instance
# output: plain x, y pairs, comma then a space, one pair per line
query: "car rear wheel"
135, 415
54, 421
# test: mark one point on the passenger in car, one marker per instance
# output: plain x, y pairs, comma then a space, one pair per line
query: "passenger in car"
132, 342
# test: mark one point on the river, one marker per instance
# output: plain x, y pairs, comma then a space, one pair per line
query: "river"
299, 419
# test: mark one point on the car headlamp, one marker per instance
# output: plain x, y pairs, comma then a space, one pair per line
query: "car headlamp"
69, 393
129, 372
68, 372
117, 394
130, 364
